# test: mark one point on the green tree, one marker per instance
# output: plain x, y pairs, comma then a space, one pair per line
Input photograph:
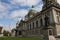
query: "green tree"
5, 33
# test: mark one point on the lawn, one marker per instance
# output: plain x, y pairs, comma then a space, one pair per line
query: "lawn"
20, 38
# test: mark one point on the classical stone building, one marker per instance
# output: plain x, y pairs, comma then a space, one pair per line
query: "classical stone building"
1, 29
43, 23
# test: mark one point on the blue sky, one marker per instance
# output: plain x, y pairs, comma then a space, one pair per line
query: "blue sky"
12, 11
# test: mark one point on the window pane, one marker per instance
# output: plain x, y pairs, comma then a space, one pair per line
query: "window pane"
41, 23
36, 23
33, 24
50, 32
30, 26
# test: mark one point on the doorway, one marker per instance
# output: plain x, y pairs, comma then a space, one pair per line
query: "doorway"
50, 32
20, 33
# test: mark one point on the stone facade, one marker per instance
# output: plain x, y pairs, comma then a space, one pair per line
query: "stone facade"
1, 33
1, 29
43, 23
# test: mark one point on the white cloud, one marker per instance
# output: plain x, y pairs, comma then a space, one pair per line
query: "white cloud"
1, 25
2, 15
58, 1
39, 7
3, 10
18, 13
7, 27
25, 2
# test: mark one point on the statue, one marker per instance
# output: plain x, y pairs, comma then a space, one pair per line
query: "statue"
46, 21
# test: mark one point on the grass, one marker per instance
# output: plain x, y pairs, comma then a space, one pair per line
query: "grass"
20, 38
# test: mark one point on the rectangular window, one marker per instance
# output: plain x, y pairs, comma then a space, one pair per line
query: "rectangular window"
41, 23
33, 24
37, 24
30, 26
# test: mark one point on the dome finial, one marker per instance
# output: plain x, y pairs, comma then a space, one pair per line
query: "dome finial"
32, 6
